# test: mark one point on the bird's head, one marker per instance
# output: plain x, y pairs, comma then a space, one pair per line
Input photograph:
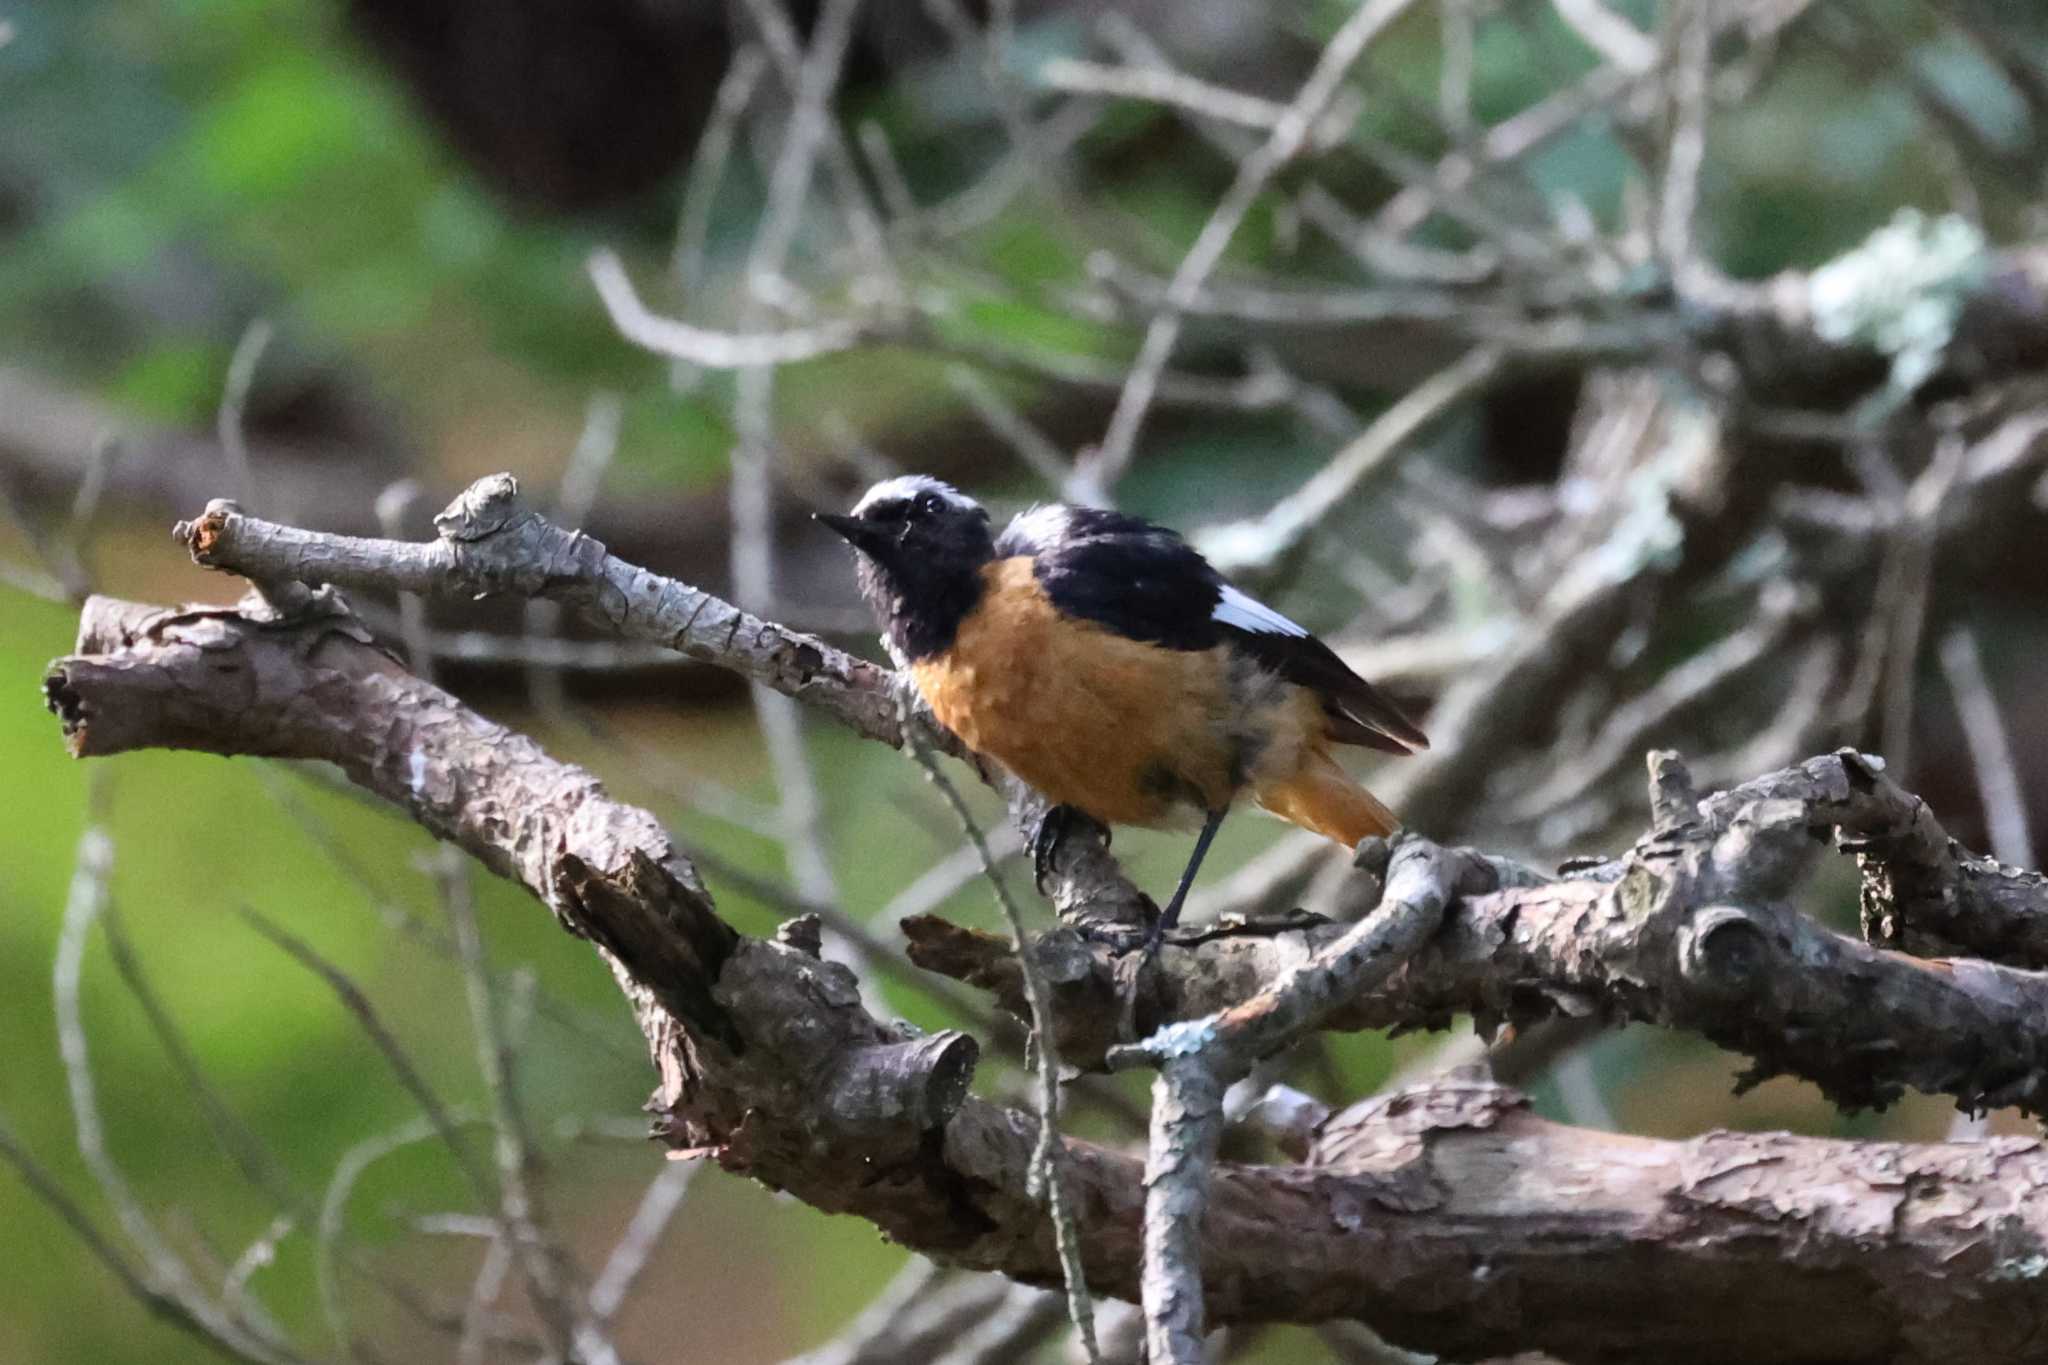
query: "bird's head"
921, 544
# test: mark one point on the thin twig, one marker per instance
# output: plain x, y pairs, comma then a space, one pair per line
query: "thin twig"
1630, 727
1692, 35
1037, 451
1258, 544
575, 495
1920, 535
1199, 1059
708, 347
1998, 775
1046, 1155
162, 1270
658, 1204
261, 1252
334, 1205
442, 1118
544, 1263
166, 1305
707, 167
491, 1273
392, 506
794, 66
1289, 136
751, 493
893, 184
1620, 43
231, 423
1157, 86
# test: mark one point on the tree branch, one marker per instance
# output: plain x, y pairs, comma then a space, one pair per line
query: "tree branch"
1687, 929
490, 542
1762, 1248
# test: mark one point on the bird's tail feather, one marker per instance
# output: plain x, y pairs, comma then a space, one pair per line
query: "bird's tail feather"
1324, 799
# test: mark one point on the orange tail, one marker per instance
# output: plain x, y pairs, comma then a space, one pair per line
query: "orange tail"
1324, 799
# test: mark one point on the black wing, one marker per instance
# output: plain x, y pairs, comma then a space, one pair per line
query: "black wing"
1142, 581
1147, 583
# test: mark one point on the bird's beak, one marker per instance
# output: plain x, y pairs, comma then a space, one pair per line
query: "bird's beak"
856, 532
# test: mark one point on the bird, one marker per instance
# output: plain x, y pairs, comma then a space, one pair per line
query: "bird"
1104, 661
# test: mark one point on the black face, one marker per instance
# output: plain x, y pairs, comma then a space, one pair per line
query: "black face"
922, 547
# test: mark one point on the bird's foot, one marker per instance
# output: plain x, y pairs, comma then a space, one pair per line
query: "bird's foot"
1055, 825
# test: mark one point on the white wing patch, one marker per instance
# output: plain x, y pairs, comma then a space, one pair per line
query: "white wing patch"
1249, 613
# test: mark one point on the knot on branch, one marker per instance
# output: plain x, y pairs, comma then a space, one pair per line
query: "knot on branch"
483, 509
1723, 951
918, 1083
810, 1059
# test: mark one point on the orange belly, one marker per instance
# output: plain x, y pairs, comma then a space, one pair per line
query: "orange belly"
1128, 732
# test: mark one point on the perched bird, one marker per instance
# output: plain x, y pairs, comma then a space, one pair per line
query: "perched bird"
1101, 659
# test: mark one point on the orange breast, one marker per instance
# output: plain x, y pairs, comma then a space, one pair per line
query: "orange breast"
1128, 732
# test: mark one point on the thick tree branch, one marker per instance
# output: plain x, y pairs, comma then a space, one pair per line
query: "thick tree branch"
1597, 1247
1686, 929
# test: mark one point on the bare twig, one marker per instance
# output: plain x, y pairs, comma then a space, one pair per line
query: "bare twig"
442, 1118
481, 543
707, 168
551, 1278
1259, 544
1047, 1178
574, 497
133, 1280
491, 1273
751, 494
809, 77
163, 1271
393, 505
927, 1315
1289, 137
1201, 98
708, 347
1198, 1059
1630, 727
1618, 41
1034, 448
334, 1207
1014, 1327
1921, 535
1998, 776
629, 1255
234, 403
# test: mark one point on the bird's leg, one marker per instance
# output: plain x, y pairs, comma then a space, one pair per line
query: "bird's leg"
1056, 824
1171, 913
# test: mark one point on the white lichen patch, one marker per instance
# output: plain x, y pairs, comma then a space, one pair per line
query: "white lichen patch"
1902, 291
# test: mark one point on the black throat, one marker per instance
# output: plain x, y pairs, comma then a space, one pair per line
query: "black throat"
920, 600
